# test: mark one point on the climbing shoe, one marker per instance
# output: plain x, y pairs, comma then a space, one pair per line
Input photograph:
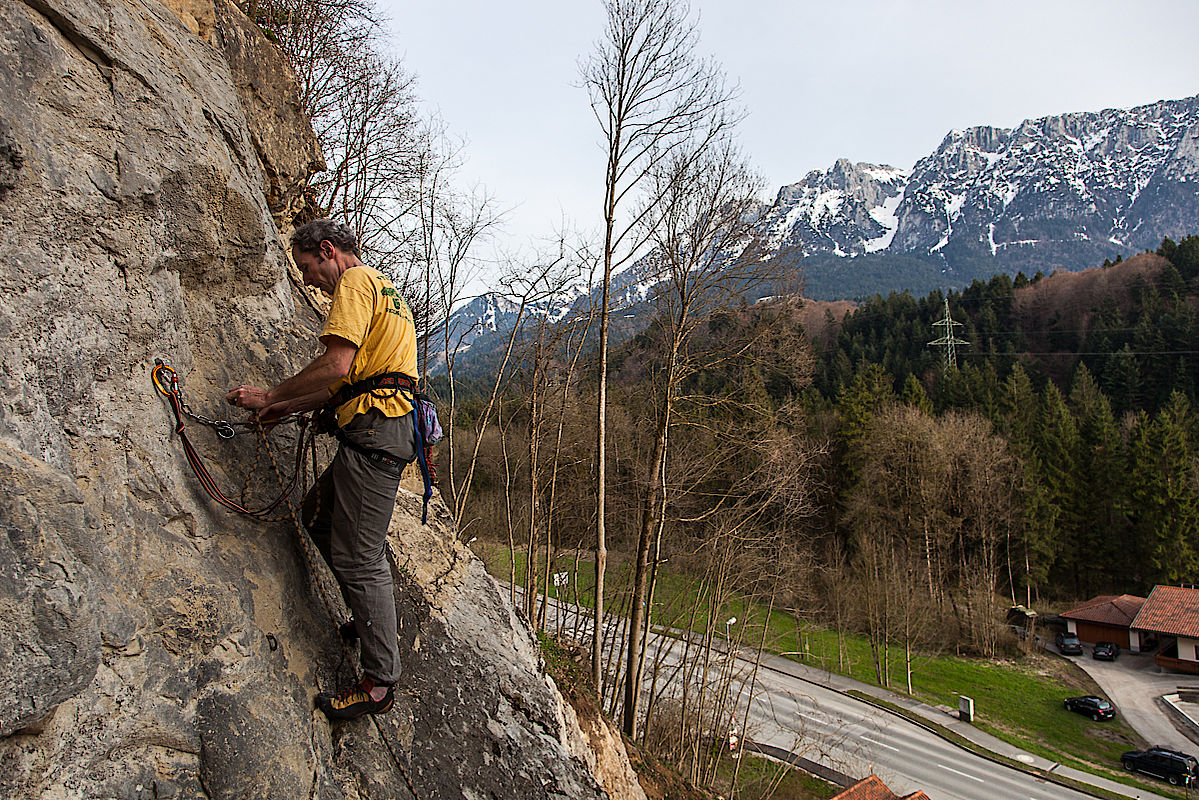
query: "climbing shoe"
354, 701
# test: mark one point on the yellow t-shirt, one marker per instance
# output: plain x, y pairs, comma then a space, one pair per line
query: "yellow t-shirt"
369, 312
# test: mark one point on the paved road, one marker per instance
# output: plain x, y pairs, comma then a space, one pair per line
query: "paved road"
791, 710
857, 739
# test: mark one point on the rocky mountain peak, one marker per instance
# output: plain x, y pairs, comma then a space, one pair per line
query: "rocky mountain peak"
1062, 191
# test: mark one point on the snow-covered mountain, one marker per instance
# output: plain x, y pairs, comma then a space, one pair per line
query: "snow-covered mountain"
1063, 191
846, 210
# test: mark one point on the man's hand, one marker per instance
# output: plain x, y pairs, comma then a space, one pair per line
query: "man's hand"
251, 398
305, 390
296, 405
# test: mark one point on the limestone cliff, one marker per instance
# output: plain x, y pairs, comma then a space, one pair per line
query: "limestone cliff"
152, 644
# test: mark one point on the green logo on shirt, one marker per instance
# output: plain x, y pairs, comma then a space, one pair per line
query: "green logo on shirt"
398, 306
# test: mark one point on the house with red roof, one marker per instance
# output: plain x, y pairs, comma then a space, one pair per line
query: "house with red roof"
1107, 618
873, 788
1172, 615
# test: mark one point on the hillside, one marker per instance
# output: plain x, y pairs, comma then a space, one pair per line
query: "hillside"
1073, 301
1132, 324
155, 645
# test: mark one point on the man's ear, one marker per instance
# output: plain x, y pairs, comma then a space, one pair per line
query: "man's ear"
327, 249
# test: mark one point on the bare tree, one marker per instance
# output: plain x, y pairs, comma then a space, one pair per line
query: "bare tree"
525, 286
701, 229
649, 93
452, 224
932, 502
376, 149
364, 113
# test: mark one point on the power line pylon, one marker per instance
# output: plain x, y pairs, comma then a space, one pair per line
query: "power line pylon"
948, 340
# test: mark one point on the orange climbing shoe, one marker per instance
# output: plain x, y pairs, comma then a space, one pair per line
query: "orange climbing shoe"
355, 701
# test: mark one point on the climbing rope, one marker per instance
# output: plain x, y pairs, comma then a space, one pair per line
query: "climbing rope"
166, 381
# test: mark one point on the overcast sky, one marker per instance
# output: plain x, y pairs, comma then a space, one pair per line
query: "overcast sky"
867, 80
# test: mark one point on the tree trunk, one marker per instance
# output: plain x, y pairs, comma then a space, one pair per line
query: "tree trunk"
649, 522
601, 439
535, 412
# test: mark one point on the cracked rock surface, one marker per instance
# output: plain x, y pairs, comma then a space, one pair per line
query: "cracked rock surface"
154, 645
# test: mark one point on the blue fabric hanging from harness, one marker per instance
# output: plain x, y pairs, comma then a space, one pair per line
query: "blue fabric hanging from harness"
426, 429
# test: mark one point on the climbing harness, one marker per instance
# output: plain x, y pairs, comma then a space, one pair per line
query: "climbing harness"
425, 427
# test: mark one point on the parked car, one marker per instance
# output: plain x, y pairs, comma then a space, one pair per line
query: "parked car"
1105, 651
1068, 644
1171, 765
1091, 706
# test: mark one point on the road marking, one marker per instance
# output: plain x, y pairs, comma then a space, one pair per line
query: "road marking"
964, 775
880, 744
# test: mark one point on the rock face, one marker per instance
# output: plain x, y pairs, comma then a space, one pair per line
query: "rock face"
848, 209
155, 645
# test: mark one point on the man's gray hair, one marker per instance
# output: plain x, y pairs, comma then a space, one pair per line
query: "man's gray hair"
308, 237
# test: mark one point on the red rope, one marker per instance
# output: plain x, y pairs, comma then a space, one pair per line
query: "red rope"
171, 391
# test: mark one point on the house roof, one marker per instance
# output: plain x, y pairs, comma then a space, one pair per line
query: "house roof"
1172, 610
1108, 609
873, 788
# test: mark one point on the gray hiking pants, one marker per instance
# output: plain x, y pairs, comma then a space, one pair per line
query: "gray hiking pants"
348, 512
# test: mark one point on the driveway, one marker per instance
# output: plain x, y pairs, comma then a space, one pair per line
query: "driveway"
1133, 682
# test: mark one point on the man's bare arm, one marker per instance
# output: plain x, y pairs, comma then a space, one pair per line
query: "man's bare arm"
316, 378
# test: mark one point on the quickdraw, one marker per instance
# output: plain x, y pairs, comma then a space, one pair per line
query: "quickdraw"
166, 381
222, 428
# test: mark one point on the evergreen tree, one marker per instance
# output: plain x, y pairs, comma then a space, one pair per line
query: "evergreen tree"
1057, 444
1102, 483
1039, 546
869, 392
1164, 507
915, 396
1122, 379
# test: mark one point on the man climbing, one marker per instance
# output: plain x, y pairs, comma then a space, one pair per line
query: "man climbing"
370, 344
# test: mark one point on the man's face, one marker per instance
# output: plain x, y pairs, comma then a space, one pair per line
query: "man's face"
314, 267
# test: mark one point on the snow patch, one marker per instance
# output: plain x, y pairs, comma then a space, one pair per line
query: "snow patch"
826, 205
884, 215
887, 174
953, 207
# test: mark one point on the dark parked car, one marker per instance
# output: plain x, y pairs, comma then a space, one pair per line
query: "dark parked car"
1171, 765
1105, 651
1068, 644
1091, 706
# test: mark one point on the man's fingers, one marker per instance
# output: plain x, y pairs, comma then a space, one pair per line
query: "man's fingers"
250, 397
